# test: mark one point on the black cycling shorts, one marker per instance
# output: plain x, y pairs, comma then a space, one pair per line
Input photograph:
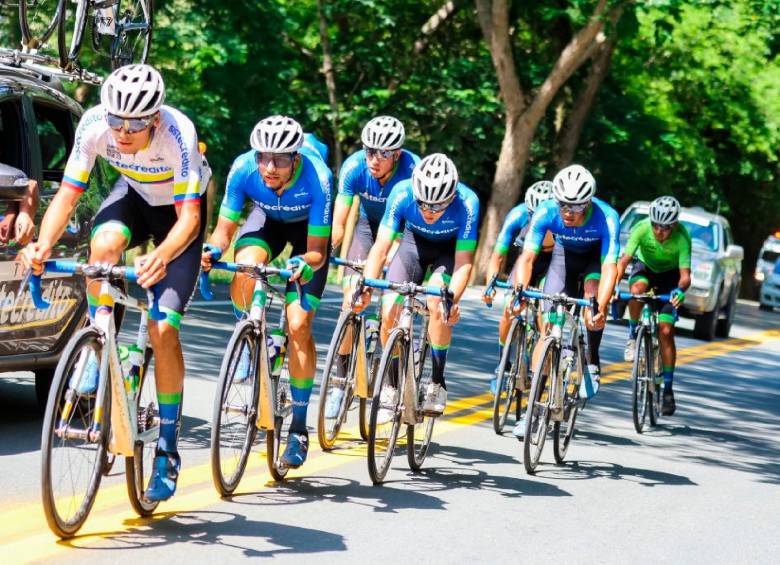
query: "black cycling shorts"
363, 239
418, 258
569, 270
125, 211
273, 236
541, 265
661, 283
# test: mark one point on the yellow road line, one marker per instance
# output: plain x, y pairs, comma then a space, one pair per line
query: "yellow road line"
196, 491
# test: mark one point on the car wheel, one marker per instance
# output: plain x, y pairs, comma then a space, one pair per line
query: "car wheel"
704, 327
723, 327
43, 380
765, 307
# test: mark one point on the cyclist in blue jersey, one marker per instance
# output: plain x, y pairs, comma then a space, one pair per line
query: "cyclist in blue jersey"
439, 217
158, 196
512, 232
371, 174
586, 231
291, 195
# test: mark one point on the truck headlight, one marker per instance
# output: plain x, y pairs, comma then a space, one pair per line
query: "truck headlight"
759, 276
702, 274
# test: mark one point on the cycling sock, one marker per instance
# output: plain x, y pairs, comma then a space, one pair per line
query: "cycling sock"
237, 310
301, 391
594, 342
668, 373
170, 403
633, 327
438, 360
341, 365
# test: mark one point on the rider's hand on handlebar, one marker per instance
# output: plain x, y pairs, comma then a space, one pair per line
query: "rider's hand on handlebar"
598, 320
151, 268
363, 301
33, 256
454, 316
206, 260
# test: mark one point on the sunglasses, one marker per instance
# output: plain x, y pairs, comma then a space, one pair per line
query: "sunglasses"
130, 125
382, 154
572, 208
428, 207
280, 160
660, 227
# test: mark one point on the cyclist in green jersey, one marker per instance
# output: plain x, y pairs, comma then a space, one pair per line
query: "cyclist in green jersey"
662, 247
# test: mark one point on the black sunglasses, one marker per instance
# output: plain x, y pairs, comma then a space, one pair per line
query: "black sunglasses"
130, 125
436, 207
383, 154
280, 160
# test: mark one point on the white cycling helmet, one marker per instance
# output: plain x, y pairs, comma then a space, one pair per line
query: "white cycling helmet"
574, 185
664, 210
277, 134
537, 193
383, 132
434, 179
133, 91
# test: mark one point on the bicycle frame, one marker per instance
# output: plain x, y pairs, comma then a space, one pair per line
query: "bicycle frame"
411, 413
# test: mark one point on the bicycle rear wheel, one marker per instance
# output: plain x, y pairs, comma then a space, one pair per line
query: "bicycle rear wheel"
70, 32
506, 375
133, 33
72, 456
139, 467
233, 426
563, 431
38, 20
418, 437
282, 419
382, 436
640, 391
332, 384
537, 412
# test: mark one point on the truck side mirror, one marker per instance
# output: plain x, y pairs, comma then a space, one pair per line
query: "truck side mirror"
735, 252
13, 184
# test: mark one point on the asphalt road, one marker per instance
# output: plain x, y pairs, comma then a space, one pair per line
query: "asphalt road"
702, 487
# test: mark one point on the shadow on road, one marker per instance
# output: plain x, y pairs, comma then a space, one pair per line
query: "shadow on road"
581, 470
217, 530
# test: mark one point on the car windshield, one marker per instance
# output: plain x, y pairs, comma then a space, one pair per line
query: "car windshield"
703, 233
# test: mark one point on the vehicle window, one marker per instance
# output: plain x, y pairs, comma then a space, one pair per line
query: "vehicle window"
11, 141
729, 238
770, 256
633, 217
55, 135
703, 234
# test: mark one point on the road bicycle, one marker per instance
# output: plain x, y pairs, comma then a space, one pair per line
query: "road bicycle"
252, 394
513, 367
350, 366
560, 384
119, 29
646, 376
405, 366
84, 423
38, 19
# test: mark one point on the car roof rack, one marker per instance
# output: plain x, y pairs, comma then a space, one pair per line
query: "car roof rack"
45, 67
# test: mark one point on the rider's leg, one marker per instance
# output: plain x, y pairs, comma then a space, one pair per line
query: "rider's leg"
243, 285
639, 285
303, 362
591, 287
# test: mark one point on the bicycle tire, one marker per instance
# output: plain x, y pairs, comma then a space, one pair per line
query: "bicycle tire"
139, 467
327, 436
537, 412
563, 432
506, 383
37, 30
282, 417
378, 465
364, 408
247, 393
66, 527
655, 402
120, 55
418, 437
640, 375
68, 51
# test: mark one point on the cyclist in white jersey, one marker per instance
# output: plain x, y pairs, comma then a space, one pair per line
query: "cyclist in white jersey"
158, 197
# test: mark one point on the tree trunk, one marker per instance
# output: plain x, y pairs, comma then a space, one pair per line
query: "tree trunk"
330, 84
521, 118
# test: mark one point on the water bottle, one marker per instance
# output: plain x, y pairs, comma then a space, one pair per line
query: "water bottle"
276, 340
372, 332
131, 359
105, 18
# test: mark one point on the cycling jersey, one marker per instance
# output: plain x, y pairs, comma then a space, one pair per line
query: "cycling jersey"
459, 221
515, 226
307, 195
356, 179
167, 171
599, 232
674, 253
313, 147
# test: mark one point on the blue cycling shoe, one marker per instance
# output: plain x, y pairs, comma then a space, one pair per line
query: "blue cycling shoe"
333, 403
85, 381
162, 484
242, 371
297, 449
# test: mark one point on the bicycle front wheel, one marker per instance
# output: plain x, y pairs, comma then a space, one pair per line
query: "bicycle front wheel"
233, 427
655, 393
139, 467
70, 32
75, 433
640, 390
133, 33
385, 417
418, 437
506, 376
537, 416
338, 380
563, 431
38, 19
282, 419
